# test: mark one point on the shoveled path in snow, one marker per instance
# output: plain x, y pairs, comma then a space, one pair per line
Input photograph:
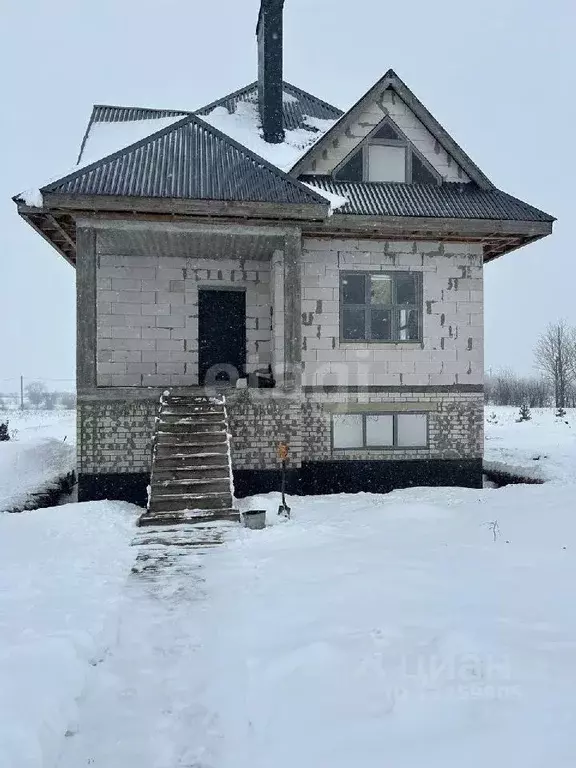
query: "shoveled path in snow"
146, 707
429, 627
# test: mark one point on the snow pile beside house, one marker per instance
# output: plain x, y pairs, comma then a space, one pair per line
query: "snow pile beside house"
543, 448
42, 452
61, 575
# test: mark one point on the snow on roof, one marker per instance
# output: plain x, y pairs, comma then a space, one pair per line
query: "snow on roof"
103, 140
336, 201
106, 138
243, 125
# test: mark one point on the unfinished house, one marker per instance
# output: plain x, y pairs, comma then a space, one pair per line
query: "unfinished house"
283, 271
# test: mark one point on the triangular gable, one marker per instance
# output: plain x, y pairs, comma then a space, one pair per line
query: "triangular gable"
187, 160
391, 97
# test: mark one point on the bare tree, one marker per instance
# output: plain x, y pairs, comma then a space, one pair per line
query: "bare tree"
36, 392
555, 356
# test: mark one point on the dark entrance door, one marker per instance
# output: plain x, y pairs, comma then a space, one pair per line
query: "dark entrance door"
221, 336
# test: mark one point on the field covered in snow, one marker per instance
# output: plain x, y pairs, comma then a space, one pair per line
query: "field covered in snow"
41, 451
543, 448
427, 627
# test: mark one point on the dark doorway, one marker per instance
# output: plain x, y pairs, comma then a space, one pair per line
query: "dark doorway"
221, 336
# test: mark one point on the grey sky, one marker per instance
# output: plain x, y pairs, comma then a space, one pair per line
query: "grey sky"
499, 75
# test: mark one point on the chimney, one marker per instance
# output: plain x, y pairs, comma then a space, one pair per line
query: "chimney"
270, 76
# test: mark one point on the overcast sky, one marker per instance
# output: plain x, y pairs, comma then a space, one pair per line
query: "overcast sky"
499, 75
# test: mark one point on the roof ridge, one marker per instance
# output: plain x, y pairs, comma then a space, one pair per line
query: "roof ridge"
187, 119
213, 104
254, 84
311, 95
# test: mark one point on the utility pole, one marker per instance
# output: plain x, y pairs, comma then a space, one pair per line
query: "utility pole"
21, 393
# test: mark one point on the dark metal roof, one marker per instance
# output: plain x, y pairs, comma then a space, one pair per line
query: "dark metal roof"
297, 105
189, 160
447, 200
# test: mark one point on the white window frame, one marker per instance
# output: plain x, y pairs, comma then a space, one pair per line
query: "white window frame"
402, 141
396, 415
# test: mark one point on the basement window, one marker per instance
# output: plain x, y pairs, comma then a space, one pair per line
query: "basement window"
380, 306
373, 431
386, 155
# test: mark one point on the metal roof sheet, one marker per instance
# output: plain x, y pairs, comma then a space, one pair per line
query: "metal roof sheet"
297, 105
189, 160
447, 200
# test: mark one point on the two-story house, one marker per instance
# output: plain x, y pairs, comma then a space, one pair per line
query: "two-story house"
322, 269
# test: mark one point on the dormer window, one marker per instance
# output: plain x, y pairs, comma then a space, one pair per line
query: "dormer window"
387, 155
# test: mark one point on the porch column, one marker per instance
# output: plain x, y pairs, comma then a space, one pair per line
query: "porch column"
292, 310
277, 301
85, 308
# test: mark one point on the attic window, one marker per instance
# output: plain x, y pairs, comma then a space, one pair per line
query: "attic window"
387, 155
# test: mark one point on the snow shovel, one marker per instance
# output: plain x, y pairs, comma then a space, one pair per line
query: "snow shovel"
283, 509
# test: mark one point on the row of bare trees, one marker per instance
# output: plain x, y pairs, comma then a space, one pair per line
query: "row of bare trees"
38, 396
555, 381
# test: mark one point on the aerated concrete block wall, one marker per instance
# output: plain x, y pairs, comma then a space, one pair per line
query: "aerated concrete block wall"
147, 316
451, 352
115, 436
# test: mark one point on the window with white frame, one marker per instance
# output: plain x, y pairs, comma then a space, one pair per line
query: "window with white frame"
387, 155
380, 306
379, 430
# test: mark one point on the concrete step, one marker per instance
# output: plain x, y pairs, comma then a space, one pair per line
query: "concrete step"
190, 487
188, 416
197, 400
176, 518
199, 472
195, 427
178, 502
186, 438
168, 458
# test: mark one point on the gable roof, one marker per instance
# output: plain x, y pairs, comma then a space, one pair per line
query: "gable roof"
447, 200
391, 80
189, 160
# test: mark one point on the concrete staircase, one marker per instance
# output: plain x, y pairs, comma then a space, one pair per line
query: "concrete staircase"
191, 477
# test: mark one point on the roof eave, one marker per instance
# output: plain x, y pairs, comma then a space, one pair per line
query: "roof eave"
42, 221
186, 207
498, 236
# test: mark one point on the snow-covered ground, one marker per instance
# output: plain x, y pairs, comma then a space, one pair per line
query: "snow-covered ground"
61, 575
42, 451
543, 448
427, 627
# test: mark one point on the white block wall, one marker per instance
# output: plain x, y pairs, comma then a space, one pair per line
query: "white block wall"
452, 348
147, 316
324, 161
